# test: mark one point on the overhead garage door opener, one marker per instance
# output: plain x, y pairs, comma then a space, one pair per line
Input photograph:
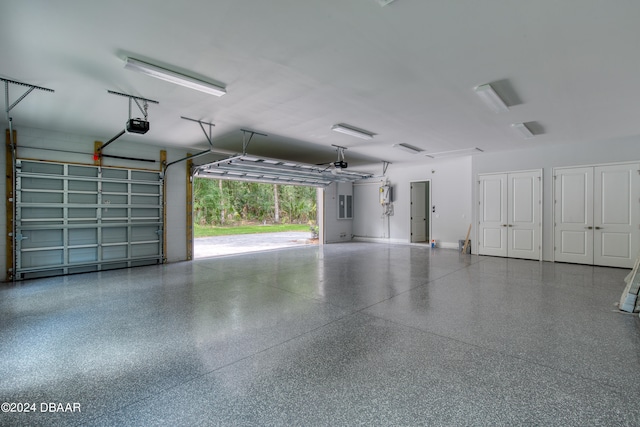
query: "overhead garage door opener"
133, 125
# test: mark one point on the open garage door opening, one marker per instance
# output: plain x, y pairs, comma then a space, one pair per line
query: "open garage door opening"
231, 217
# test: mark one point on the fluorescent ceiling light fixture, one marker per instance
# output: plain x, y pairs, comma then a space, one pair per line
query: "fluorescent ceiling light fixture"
453, 153
173, 77
491, 98
353, 131
524, 131
408, 148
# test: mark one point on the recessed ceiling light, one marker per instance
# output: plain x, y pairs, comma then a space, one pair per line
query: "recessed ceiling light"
173, 77
491, 98
524, 131
408, 148
353, 131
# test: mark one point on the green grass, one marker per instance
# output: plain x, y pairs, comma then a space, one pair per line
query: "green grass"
210, 230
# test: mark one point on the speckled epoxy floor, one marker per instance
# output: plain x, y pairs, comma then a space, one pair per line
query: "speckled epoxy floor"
345, 334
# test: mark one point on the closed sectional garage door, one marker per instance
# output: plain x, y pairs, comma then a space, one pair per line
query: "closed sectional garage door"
73, 218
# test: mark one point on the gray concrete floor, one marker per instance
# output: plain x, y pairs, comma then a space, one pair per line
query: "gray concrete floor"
334, 335
205, 247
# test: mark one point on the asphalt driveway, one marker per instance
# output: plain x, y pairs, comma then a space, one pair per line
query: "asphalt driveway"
205, 247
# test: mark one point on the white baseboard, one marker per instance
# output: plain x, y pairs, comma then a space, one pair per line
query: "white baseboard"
379, 240
444, 245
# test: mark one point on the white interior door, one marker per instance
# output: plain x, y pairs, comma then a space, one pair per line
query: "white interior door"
574, 215
616, 236
492, 218
523, 215
418, 212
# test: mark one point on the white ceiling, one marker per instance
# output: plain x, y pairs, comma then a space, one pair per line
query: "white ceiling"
293, 68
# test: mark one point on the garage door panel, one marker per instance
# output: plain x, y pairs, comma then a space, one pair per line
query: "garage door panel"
145, 189
144, 234
42, 167
83, 199
42, 258
82, 269
82, 255
41, 238
74, 185
45, 222
145, 200
83, 236
115, 173
41, 197
114, 235
44, 273
77, 213
29, 183
114, 213
140, 263
114, 252
145, 213
41, 213
114, 187
115, 199
85, 171
116, 265
75, 218
144, 176
143, 249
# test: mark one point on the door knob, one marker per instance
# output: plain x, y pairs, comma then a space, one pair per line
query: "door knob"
588, 228
598, 228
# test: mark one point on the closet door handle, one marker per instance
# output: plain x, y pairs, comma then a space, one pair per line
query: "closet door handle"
598, 228
588, 228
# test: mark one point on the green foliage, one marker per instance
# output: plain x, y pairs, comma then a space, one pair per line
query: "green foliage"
212, 230
222, 202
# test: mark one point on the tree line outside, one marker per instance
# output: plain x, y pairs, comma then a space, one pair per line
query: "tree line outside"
226, 203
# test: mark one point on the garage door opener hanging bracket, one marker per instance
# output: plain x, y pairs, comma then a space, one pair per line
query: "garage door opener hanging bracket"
245, 141
208, 135
385, 166
8, 107
12, 146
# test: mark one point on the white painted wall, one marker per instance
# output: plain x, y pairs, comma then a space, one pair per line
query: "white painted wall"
547, 158
46, 145
336, 230
367, 210
176, 205
451, 184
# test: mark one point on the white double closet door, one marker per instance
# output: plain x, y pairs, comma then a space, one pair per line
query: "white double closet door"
509, 214
597, 215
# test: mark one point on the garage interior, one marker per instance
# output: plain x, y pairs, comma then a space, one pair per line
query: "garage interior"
416, 121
